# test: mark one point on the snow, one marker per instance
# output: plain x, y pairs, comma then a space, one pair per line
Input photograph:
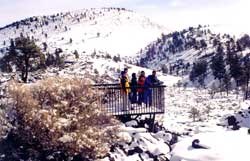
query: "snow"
223, 145
66, 139
131, 123
114, 32
125, 33
210, 128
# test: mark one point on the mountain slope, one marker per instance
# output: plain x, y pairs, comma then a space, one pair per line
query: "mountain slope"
177, 52
109, 30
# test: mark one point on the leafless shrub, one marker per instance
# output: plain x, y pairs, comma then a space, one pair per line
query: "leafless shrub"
194, 113
63, 115
5, 126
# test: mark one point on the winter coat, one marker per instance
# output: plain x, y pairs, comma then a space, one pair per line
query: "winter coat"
125, 84
133, 84
140, 83
152, 80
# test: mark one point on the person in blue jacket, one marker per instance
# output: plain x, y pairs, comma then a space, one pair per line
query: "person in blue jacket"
150, 82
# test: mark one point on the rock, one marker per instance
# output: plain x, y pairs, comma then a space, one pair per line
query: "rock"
174, 139
135, 150
196, 144
132, 123
231, 121
235, 127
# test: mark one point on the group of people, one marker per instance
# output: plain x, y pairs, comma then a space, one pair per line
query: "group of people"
138, 90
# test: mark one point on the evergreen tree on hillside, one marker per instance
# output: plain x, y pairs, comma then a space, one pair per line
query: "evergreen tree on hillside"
218, 66
226, 82
203, 44
246, 74
228, 52
235, 68
199, 71
26, 55
244, 41
215, 42
238, 46
177, 41
76, 54
45, 46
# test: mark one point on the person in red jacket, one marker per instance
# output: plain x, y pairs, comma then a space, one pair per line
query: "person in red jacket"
140, 89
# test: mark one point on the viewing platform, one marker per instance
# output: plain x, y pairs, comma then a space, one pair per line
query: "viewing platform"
115, 102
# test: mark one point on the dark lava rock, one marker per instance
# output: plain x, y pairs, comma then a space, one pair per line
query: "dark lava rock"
232, 121
137, 150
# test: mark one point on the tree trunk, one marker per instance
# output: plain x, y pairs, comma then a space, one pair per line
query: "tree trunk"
247, 84
227, 88
220, 87
26, 70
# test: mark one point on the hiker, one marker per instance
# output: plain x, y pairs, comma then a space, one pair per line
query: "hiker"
125, 90
133, 86
140, 89
125, 71
153, 78
150, 82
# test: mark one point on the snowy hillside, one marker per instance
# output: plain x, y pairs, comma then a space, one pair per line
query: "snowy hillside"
176, 52
109, 30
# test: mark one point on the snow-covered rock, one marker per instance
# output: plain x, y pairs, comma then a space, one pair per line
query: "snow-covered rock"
223, 146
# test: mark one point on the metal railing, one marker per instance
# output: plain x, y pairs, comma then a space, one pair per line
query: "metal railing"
116, 102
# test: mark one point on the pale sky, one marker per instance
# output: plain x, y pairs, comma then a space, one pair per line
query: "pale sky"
174, 14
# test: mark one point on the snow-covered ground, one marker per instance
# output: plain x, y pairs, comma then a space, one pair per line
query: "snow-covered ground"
191, 113
222, 145
210, 127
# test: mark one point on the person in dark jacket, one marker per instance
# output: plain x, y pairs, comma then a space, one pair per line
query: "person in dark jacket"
153, 78
133, 86
150, 82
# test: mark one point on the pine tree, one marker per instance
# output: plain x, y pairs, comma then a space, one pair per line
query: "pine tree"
218, 66
117, 58
76, 54
26, 55
238, 46
227, 82
235, 67
164, 68
45, 46
244, 41
203, 44
199, 71
246, 74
